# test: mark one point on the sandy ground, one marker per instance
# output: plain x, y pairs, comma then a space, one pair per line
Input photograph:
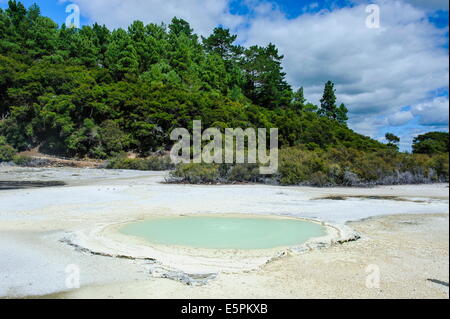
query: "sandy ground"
403, 252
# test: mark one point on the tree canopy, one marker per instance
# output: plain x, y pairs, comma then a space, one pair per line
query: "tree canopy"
431, 143
393, 140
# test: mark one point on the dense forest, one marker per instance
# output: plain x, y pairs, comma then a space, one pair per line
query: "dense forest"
97, 93
93, 92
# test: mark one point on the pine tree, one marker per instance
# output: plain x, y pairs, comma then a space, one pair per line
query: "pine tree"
17, 12
180, 26
121, 56
157, 43
221, 42
393, 140
342, 114
101, 39
328, 102
265, 84
431, 143
299, 101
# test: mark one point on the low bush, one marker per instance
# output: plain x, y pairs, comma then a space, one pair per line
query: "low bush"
331, 167
22, 160
151, 163
7, 152
196, 174
216, 173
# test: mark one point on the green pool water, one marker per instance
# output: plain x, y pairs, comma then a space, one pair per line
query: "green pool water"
225, 232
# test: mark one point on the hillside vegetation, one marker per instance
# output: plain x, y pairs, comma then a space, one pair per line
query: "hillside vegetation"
99, 93
95, 92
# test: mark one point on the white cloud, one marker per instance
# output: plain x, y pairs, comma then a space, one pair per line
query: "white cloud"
433, 112
369, 125
400, 118
202, 15
376, 71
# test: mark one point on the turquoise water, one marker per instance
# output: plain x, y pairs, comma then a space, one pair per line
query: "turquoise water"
225, 232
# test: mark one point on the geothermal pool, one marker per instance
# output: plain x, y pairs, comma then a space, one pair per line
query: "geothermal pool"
225, 232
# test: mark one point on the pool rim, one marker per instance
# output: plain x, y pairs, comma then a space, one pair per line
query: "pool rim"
104, 239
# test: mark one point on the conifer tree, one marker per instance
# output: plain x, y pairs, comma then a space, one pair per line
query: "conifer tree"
328, 102
221, 42
299, 101
121, 56
342, 114
393, 140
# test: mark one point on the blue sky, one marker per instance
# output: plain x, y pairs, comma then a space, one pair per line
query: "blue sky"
393, 78
54, 9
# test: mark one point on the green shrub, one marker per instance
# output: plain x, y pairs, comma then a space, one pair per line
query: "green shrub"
151, 163
21, 160
331, 167
195, 173
243, 173
440, 164
7, 152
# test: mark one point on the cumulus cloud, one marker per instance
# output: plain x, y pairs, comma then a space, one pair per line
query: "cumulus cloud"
432, 113
369, 125
400, 118
375, 70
